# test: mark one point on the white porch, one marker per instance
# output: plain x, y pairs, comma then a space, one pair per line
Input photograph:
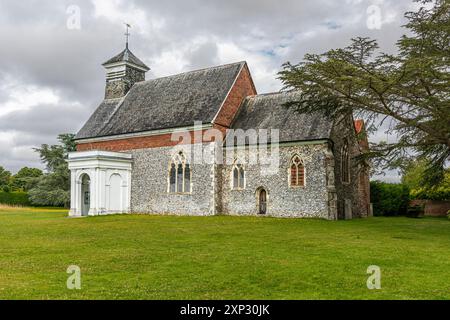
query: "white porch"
100, 183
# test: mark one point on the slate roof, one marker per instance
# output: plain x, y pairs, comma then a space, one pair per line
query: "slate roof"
169, 102
99, 118
267, 111
127, 55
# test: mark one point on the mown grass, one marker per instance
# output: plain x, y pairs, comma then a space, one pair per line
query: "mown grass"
152, 257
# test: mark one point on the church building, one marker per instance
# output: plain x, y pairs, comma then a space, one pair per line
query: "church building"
205, 143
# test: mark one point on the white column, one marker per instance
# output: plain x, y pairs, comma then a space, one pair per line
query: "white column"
128, 201
73, 197
78, 197
102, 191
93, 191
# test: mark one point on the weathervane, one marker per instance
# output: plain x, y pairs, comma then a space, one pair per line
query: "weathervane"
127, 34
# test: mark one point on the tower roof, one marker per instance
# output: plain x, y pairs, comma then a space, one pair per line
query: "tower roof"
126, 56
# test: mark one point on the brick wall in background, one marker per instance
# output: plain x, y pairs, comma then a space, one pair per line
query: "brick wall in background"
433, 208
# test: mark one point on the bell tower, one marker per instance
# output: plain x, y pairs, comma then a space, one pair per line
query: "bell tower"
123, 71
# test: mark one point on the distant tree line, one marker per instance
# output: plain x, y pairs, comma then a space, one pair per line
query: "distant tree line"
32, 186
23, 180
412, 174
391, 199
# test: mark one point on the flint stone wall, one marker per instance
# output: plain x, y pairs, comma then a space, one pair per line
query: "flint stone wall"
310, 201
212, 191
149, 185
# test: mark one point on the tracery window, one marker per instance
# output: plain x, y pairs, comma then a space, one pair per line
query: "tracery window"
297, 172
179, 174
238, 176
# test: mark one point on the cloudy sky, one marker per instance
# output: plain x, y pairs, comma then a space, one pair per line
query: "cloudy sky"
51, 78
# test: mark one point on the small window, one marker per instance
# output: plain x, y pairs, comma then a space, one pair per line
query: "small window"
187, 178
179, 175
238, 177
241, 178
297, 172
173, 178
345, 163
235, 178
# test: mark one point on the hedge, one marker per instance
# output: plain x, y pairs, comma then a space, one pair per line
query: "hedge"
389, 199
14, 198
439, 194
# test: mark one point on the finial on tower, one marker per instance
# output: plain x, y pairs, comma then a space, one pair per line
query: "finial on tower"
127, 34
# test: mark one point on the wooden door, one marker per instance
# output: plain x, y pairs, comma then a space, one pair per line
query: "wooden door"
262, 202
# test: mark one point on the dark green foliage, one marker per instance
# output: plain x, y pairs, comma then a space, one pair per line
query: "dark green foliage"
439, 194
410, 89
412, 177
55, 156
26, 178
53, 188
5, 177
14, 198
389, 199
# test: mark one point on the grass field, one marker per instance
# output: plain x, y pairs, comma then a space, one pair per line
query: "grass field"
146, 257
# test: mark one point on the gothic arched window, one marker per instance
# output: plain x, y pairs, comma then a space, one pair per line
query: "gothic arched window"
297, 172
238, 176
179, 174
345, 163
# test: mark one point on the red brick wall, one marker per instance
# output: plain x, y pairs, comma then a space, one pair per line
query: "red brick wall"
242, 88
433, 208
163, 140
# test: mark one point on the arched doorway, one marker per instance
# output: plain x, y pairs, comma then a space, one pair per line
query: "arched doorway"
262, 201
85, 195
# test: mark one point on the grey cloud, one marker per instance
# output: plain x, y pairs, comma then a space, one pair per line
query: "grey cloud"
38, 49
45, 120
390, 176
14, 160
203, 56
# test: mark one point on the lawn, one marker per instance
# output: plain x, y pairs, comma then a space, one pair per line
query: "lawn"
152, 257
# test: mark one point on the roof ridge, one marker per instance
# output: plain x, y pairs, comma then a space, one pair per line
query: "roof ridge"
192, 71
